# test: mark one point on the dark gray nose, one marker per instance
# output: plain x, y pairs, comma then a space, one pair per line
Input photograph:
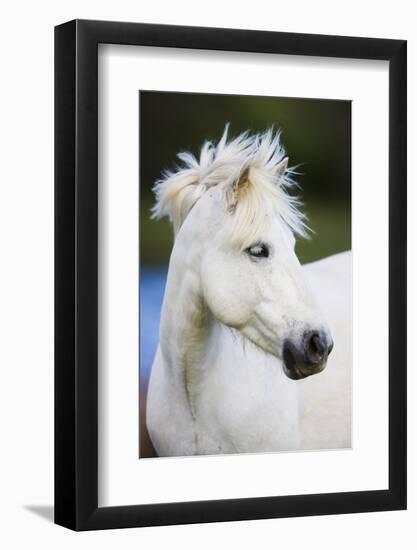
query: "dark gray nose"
309, 356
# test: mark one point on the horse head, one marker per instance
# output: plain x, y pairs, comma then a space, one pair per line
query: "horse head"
236, 222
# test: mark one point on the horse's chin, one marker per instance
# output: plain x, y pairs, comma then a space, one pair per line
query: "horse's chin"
299, 373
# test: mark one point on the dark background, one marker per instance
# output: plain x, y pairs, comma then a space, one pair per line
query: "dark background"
317, 137
315, 133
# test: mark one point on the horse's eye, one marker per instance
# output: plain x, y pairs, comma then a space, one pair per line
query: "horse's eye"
259, 250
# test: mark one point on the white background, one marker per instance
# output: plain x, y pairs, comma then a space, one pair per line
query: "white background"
26, 291
123, 479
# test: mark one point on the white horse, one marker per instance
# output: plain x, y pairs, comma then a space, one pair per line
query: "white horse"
243, 324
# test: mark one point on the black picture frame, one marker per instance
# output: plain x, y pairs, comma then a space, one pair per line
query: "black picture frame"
76, 274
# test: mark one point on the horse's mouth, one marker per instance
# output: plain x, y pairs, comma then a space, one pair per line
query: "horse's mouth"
300, 373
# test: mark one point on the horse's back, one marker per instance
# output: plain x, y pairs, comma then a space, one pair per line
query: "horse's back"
326, 397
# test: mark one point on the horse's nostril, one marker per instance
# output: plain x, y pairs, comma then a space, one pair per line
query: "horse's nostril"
317, 344
316, 348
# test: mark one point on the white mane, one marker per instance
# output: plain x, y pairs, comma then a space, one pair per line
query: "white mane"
253, 172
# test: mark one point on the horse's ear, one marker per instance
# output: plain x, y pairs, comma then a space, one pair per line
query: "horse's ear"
281, 168
242, 181
237, 188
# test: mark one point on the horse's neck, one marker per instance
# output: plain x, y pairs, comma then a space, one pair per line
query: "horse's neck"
245, 395
185, 324
209, 364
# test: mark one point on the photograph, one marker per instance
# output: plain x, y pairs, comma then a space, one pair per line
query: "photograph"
208, 235
245, 274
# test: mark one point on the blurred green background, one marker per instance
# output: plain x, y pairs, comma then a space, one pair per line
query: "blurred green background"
316, 135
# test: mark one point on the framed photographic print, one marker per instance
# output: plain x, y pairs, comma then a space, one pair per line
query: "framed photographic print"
230, 338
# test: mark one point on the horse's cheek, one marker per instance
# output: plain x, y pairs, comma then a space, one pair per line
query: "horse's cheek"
223, 296
227, 307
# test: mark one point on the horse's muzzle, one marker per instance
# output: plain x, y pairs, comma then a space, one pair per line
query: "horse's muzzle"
307, 358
